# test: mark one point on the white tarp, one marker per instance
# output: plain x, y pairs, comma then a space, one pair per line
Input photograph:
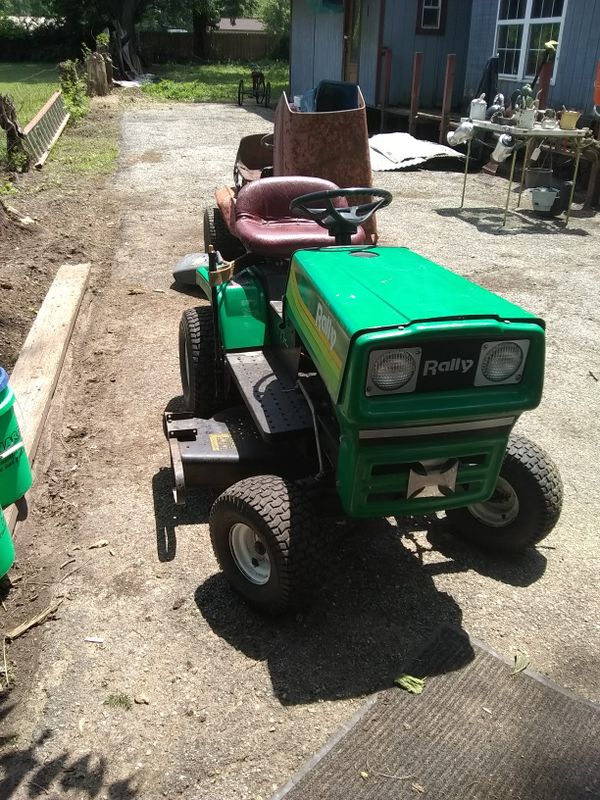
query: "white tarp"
391, 151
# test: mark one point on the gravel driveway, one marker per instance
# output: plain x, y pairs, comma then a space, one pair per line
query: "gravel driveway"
224, 704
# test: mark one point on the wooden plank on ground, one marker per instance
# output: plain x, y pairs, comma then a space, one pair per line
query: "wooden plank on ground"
36, 373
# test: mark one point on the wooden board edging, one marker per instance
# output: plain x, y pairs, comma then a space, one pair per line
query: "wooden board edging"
37, 371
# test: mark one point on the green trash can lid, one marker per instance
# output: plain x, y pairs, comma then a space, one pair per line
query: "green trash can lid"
3, 379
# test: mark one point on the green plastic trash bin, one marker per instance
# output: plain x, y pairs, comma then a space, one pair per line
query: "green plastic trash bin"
7, 549
15, 472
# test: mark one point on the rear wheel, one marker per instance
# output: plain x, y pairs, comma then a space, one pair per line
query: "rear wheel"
260, 91
217, 234
197, 354
265, 541
524, 507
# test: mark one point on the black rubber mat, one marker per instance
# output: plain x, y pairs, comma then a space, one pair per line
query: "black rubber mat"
477, 732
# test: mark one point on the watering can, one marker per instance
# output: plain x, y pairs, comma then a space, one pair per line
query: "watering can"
15, 472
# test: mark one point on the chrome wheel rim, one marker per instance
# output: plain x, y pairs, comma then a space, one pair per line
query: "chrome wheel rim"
501, 509
250, 553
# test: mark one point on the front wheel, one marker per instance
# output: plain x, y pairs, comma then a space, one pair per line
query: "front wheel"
265, 541
524, 507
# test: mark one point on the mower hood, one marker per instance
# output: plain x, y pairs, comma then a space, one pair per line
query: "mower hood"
334, 294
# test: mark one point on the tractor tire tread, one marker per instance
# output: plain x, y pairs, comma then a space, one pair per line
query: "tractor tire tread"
199, 324
275, 502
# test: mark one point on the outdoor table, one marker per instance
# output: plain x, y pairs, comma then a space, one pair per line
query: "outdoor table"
580, 138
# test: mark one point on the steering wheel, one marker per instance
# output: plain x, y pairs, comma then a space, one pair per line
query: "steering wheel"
345, 220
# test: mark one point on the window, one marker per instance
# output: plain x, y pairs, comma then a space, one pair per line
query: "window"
524, 26
431, 16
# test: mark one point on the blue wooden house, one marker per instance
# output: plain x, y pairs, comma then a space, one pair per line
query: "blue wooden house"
516, 30
345, 40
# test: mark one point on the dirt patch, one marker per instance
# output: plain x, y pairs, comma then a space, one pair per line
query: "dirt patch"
72, 220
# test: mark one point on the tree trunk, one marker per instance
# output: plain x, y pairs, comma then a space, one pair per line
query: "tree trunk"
18, 158
200, 38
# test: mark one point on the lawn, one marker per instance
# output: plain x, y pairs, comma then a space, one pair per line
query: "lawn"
214, 83
29, 85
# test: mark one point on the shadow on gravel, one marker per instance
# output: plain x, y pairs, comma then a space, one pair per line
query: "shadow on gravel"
489, 220
168, 516
376, 608
40, 776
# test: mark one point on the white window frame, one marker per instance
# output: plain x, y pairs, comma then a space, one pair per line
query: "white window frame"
526, 22
436, 5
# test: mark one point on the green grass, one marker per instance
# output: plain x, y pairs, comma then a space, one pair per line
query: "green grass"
29, 85
118, 700
214, 83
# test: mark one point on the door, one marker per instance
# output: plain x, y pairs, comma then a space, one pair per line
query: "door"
352, 17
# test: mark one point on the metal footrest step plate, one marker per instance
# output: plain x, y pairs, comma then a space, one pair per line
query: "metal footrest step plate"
276, 404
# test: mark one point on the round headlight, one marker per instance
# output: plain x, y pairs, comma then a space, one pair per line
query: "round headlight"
501, 362
392, 371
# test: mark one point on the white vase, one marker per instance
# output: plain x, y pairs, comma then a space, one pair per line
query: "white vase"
526, 118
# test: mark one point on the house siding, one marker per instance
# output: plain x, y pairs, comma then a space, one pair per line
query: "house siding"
315, 47
578, 55
401, 37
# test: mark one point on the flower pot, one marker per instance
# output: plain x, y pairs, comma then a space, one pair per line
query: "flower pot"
568, 120
538, 176
527, 118
543, 198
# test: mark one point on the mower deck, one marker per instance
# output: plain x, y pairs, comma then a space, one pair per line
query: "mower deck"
219, 451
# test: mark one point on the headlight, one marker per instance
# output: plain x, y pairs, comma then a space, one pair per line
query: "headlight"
501, 362
393, 370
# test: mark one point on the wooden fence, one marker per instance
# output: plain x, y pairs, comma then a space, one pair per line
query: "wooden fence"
159, 47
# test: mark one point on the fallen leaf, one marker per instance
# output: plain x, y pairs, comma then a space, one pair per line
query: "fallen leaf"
99, 543
364, 775
410, 683
521, 662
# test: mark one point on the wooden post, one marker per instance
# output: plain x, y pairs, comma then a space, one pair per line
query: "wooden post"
97, 83
447, 101
544, 90
415, 93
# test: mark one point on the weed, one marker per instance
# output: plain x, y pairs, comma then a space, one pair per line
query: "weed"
118, 700
11, 740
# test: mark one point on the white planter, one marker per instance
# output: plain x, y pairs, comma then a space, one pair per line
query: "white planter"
527, 118
543, 198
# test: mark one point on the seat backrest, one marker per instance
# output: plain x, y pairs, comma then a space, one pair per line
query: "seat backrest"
270, 198
336, 96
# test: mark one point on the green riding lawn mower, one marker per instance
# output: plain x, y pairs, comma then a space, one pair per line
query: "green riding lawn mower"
327, 378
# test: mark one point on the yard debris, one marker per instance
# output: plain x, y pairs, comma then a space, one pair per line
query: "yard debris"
141, 700
364, 775
521, 662
47, 613
99, 543
67, 562
417, 787
591, 374
134, 291
410, 683
487, 710
94, 639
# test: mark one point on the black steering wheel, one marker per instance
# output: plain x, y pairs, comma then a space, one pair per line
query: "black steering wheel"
340, 222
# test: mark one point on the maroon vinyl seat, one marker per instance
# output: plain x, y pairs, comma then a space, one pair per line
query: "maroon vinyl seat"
267, 227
